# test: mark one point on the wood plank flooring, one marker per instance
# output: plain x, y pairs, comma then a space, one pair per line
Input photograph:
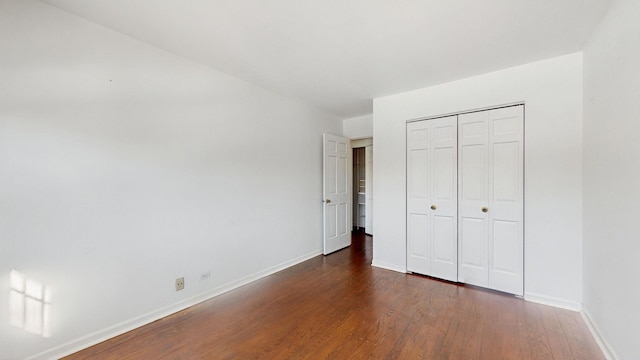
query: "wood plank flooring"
339, 307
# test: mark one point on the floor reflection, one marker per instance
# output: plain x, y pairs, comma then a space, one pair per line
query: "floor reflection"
29, 304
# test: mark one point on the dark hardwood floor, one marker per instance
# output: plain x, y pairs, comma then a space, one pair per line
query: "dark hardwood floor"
339, 307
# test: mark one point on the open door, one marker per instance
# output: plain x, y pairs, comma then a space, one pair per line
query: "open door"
336, 188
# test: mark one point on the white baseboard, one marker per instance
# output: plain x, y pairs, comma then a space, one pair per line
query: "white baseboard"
123, 327
551, 301
604, 345
387, 266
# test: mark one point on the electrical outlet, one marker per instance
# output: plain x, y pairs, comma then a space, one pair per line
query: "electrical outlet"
179, 284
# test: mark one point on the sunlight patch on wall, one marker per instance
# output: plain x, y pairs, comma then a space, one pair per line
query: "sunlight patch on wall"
29, 305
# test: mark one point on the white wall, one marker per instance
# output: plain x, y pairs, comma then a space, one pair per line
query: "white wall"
361, 143
358, 127
612, 179
125, 167
552, 92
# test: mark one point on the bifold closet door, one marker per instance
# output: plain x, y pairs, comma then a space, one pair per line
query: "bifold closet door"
432, 198
490, 206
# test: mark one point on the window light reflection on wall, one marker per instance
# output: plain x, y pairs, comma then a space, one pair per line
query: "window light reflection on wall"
29, 305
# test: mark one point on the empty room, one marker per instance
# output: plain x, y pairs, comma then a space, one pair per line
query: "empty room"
319, 180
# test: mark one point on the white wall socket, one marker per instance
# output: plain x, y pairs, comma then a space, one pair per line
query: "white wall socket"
179, 284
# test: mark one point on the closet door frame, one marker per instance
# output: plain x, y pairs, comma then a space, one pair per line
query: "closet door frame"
501, 280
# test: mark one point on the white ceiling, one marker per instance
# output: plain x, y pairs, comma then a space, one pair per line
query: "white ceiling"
340, 54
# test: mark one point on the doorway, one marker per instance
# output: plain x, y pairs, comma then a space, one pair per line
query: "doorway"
362, 185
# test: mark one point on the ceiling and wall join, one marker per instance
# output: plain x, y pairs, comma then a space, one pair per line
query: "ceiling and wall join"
340, 55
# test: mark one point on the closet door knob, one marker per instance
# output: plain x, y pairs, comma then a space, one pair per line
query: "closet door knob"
327, 201
485, 209
433, 207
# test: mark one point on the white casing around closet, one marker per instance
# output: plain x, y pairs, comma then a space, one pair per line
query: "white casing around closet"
472, 181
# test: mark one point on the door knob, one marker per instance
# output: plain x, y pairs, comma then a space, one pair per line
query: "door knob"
485, 209
433, 207
327, 201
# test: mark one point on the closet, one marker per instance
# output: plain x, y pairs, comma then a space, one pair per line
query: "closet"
465, 177
363, 185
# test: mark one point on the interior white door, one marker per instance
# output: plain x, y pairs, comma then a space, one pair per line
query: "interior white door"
490, 207
432, 198
337, 193
368, 228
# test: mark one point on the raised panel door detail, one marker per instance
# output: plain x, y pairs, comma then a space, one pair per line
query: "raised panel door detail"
473, 172
443, 238
504, 256
332, 169
342, 219
333, 221
418, 173
417, 228
506, 176
444, 133
332, 146
341, 174
506, 126
342, 147
445, 257
472, 245
472, 252
418, 137
473, 129
443, 178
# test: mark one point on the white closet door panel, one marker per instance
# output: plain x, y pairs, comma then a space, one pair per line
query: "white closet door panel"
505, 174
505, 259
504, 252
472, 251
417, 247
444, 164
418, 176
444, 175
332, 171
418, 197
418, 135
491, 199
432, 197
333, 220
444, 255
473, 173
473, 128
506, 153
465, 198
444, 220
